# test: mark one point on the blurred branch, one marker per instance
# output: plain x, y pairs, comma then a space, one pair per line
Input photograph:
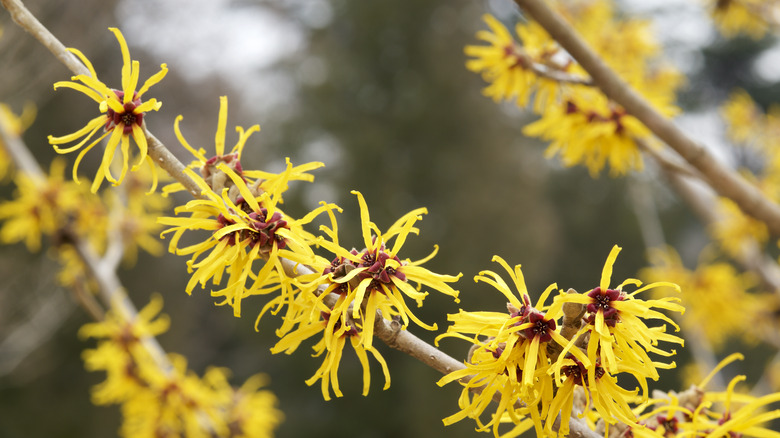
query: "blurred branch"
20, 341
653, 236
704, 202
28, 22
724, 181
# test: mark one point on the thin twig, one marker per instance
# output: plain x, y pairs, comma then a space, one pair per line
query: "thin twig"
526, 61
559, 76
40, 325
723, 180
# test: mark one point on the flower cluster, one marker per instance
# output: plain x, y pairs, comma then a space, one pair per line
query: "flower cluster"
532, 366
61, 210
698, 412
49, 207
582, 125
263, 251
122, 116
161, 401
368, 284
245, 222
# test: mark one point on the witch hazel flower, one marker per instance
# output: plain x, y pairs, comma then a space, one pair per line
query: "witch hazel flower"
376, 277
122, 116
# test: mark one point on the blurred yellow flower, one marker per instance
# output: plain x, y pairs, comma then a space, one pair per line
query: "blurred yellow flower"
717, 297
171, 402
750, 17
582, 125
47, 207
506, 65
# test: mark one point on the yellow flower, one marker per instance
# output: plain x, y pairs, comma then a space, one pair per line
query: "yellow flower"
742, 115
582, 124
134, 214
46, 207
13, 125
505, 64
312, 320
513, 360
173, 401
243, 229
253, 412
619, 338
589, 129
751, 17
734, 228
122, 116
376, 276
714, 414
718, 296
216, 179
120, 352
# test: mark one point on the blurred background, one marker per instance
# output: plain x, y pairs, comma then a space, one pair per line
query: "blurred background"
377, 91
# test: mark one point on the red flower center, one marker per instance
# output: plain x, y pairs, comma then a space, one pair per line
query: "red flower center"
378, 271
263, 229
125, 118
578, 371
541, 327
602, 302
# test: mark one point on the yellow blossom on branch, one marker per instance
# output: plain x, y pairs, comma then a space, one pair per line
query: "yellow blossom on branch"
122, 116
244, 229
698, 412
589, 129
512, 363
376, 276
756, 130
619, 339
134, 210
368, 285
582, 125
313, 318
506, 65
216, 179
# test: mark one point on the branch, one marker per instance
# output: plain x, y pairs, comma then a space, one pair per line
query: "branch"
29, 23
724, 181
406, 342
